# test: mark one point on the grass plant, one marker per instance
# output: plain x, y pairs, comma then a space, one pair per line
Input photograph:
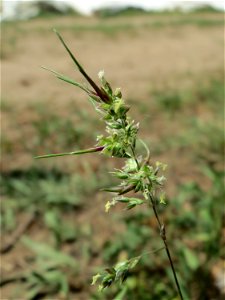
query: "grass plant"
138, 175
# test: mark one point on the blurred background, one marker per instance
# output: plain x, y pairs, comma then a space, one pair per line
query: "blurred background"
168, 59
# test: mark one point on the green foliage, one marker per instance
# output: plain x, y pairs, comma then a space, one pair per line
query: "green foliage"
62, 231
130, 11
48, 194
5, 105
113, 29
13, 30
118, 273
211, 92
9, 42
206, 92
50, 127
212, 150
38, 192
8, 221
49, 255
50, 271
118, 12
47, 9
169, 102
52, 195
135, 239
206, 9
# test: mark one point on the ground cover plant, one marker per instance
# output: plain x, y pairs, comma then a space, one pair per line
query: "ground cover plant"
47, 206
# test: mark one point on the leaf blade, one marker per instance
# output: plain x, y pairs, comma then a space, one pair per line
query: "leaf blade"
67, 79
99, 91
90, 150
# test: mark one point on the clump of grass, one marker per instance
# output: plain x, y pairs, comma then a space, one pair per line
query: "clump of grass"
121, 12
9, 41
5, 105
170, 102
138, 175
49, 129
49, 272
206, 92
43, 191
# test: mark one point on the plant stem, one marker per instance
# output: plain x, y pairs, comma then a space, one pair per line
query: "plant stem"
133, 152
162, 232
163, 236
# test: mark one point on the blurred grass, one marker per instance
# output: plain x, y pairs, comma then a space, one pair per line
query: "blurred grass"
130, 11
109, 26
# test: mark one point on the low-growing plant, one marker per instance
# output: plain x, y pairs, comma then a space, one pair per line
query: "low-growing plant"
170, 102
49, 126
50, 272
138, 175
9, 43
33, 192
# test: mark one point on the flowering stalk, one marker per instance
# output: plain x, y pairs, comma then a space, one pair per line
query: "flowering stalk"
137, 174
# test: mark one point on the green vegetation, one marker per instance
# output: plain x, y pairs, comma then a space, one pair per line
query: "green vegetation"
50, 272
206, 92
119, 12
47, 10
206, 9
109, 28
130, 11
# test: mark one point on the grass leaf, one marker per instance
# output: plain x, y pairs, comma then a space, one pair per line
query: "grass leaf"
49, 254
99, 92
67, 79
97, 149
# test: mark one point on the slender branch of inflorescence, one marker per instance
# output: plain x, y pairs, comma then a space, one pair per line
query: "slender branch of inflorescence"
164, 239
162, 231
137, 175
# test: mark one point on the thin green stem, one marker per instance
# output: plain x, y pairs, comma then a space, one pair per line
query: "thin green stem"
90, 150
134, 156
152, 251
162, 233
131, 147
163, 236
